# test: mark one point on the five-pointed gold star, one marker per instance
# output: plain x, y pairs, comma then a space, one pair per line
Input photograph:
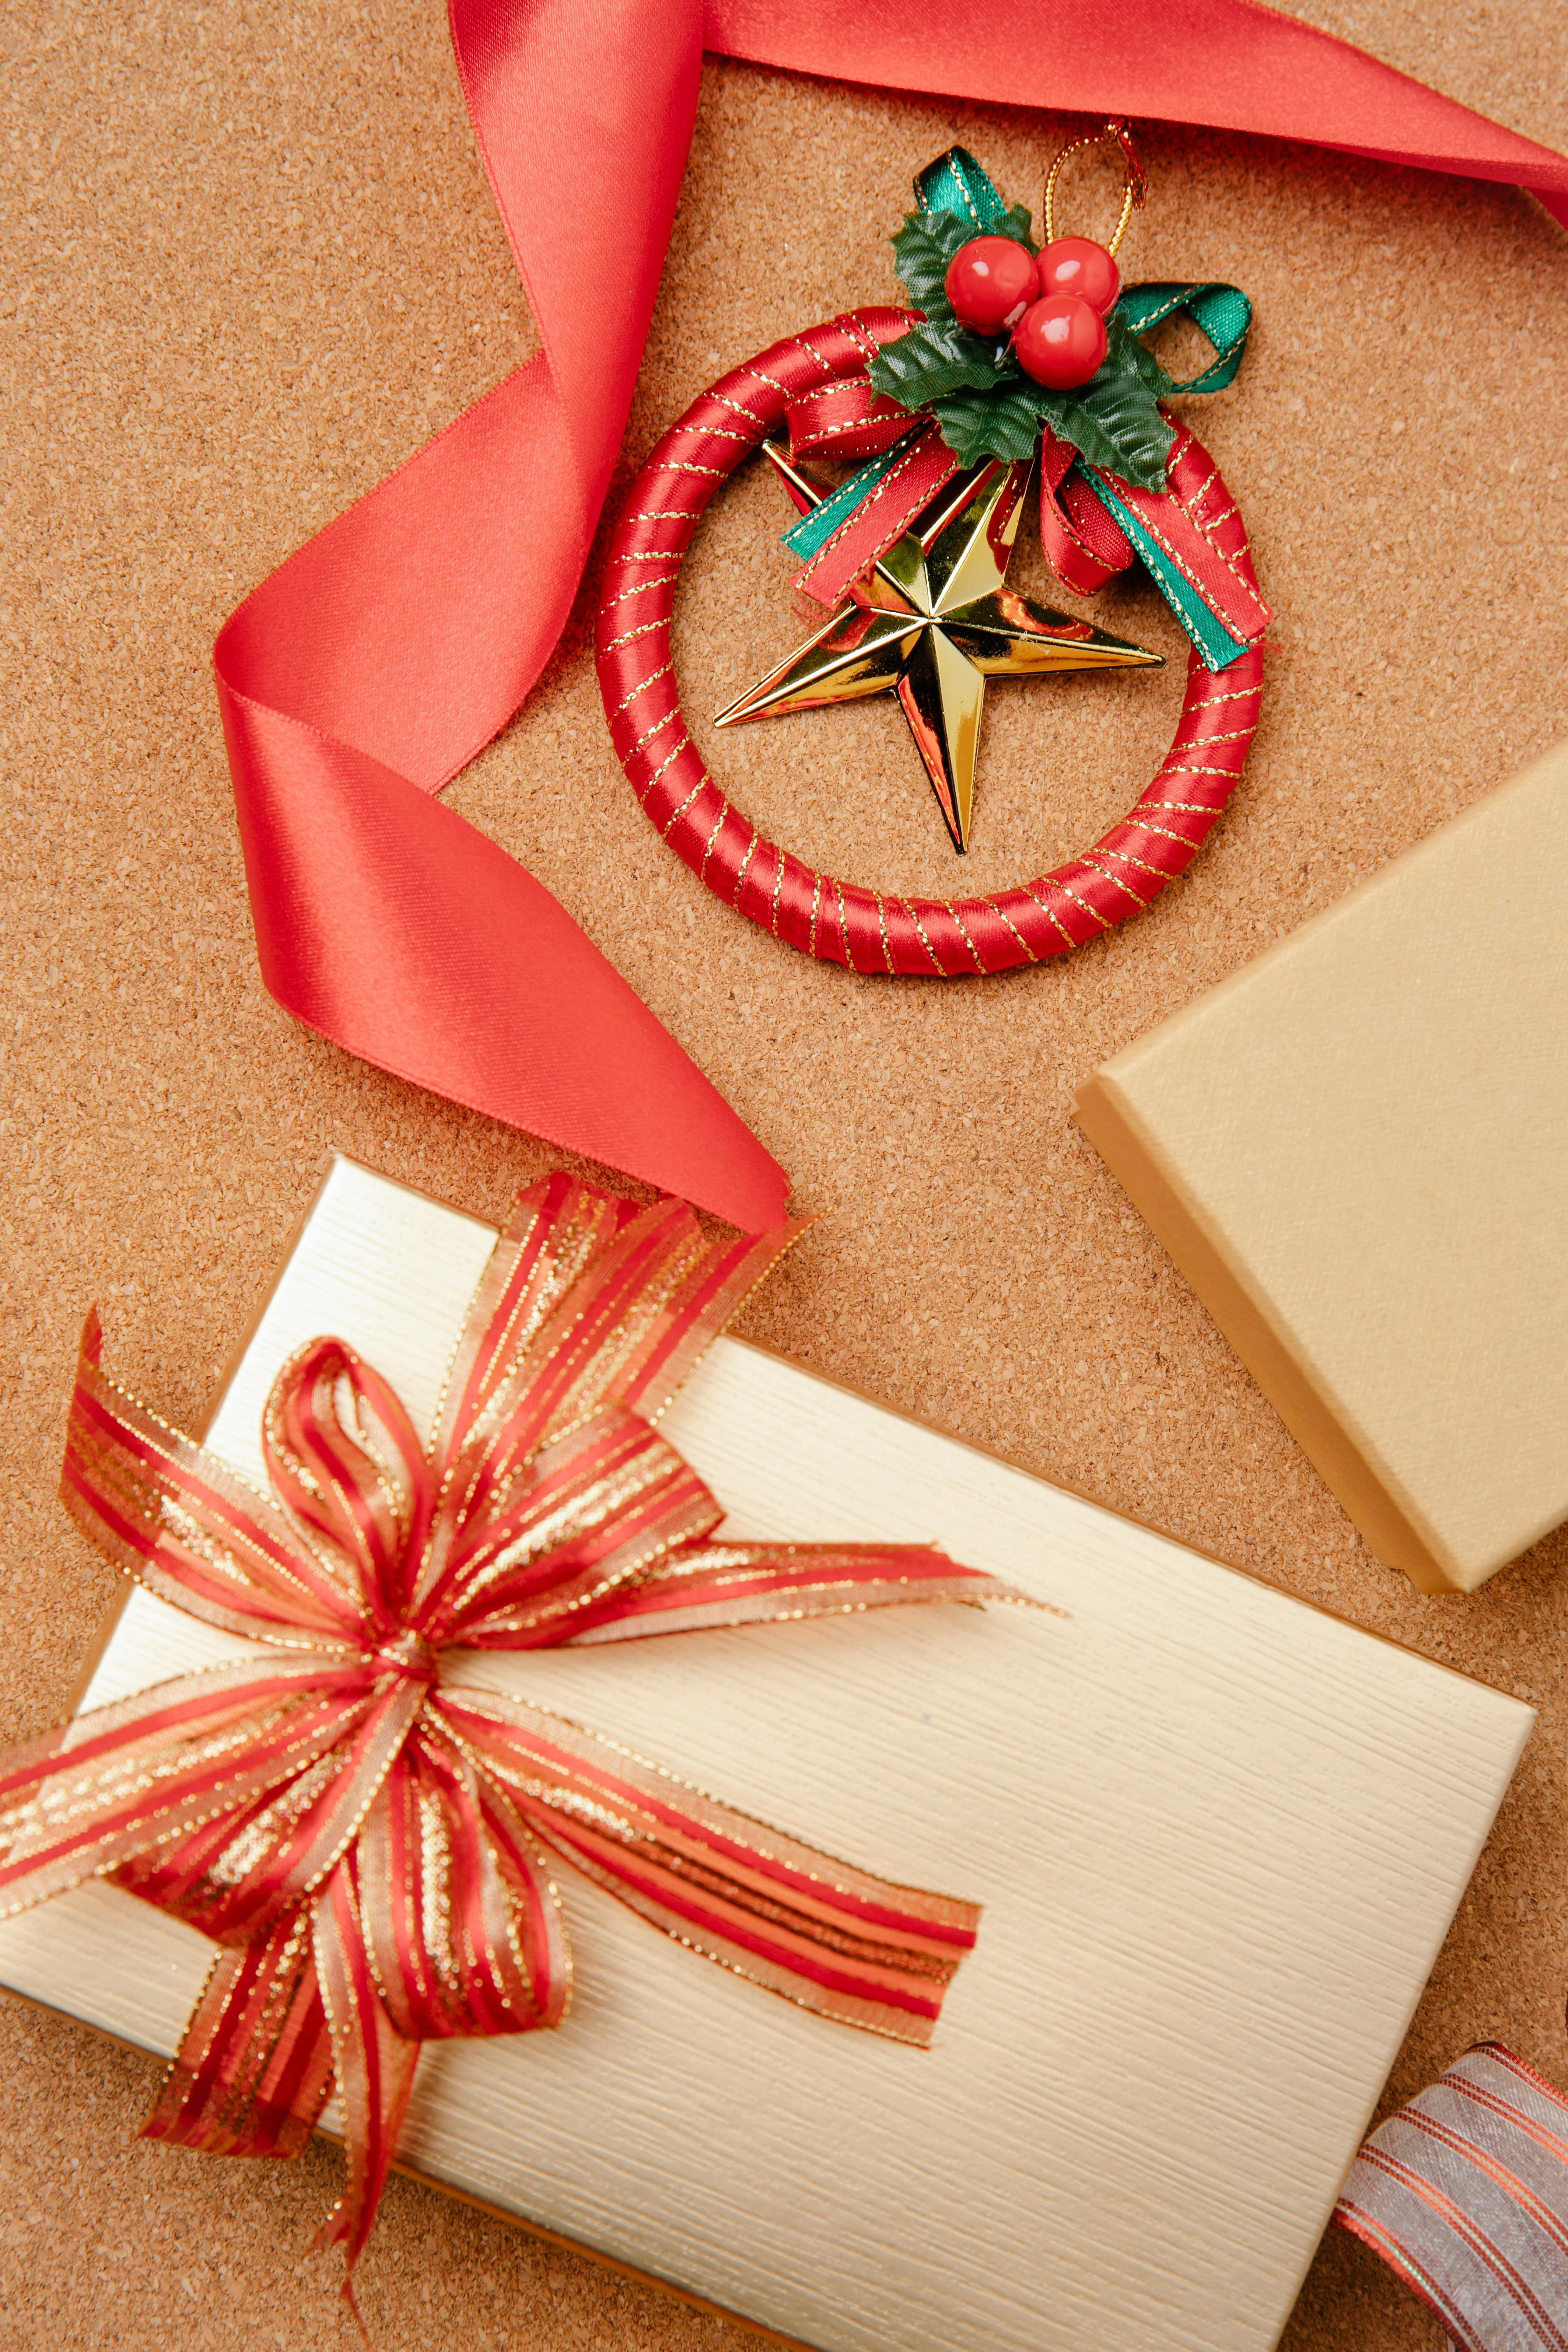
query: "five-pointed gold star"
931, 622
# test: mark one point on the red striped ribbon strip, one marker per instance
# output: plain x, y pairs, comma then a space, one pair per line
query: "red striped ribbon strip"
1465, 2195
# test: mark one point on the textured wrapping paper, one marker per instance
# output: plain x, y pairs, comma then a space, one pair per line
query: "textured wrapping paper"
1218, 1836
1356, 1149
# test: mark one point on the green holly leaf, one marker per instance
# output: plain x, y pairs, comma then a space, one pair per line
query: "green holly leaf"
1002, 422
1114, 425
1114, 420
928, 242
1124, 349
920, 257
938, 358
987, 407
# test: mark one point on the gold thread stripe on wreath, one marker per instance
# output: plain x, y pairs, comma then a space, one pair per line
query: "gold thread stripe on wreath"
696, 791
641, 688
1207, 743
648, 629
634, 588
925, 939
1117, 880
1464, 2193
708, 846
649, 732
1003, 916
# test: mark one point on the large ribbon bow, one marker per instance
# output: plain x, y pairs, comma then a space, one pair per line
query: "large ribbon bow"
367, 1836
1092, 524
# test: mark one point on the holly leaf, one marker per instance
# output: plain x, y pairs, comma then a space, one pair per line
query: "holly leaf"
1003, 421
1114, 420
921, 367
928, 242
987, 407
920, 257
1114, 425
1123, 348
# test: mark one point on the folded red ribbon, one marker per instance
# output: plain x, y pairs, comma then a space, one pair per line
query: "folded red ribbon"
366, 1835
377, 661
1085, 545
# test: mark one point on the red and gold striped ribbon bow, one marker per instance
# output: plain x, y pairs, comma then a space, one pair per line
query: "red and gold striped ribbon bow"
368, 1837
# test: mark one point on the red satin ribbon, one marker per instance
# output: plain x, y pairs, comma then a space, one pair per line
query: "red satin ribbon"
369, 668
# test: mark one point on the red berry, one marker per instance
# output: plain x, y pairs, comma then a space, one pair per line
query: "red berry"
1060, 341
990, 281
1076, 265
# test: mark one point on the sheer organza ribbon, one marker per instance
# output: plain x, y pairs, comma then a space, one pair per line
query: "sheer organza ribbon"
1464, 2193
374, 664
368, 1836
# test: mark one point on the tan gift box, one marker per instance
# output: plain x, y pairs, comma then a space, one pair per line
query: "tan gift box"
1218, 1835
1356, 1150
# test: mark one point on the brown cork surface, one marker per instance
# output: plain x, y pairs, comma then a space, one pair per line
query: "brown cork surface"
250, 264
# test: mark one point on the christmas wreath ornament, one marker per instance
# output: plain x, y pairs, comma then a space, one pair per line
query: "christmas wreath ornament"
943, 419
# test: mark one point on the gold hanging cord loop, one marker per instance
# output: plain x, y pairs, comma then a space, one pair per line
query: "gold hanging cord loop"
1135, 187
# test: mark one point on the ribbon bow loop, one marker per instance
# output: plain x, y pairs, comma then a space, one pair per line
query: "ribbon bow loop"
367, 1836
343, 1458
595, 1509
956, 182
461, 1924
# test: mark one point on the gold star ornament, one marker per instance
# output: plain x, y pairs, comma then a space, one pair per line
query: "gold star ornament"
931, 622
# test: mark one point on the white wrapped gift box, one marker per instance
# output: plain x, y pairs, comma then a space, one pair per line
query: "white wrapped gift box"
1218, 1835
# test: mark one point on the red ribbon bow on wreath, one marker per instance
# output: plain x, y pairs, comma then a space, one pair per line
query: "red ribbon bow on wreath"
366, 1836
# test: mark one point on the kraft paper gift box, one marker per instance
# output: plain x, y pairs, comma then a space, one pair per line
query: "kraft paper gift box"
1356, 1150
1218, 1835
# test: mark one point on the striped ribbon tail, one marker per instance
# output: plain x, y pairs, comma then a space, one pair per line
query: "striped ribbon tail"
805, 1924
256, 2065
1464, 2193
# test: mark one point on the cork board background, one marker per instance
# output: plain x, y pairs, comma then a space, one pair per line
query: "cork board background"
249, 263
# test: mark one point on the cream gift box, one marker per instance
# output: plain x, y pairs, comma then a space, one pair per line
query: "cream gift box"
1356, 1150
1218, 1836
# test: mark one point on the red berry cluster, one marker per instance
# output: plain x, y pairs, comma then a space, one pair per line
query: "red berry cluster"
1054, 307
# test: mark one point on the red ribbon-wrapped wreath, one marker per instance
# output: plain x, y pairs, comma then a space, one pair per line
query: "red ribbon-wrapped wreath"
842, 922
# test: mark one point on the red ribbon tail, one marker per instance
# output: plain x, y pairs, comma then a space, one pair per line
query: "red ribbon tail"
1195, 552
881, 518
1082, 541
383, 655
385, 922
371, 2061
256, 2065
858, 1950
